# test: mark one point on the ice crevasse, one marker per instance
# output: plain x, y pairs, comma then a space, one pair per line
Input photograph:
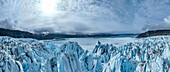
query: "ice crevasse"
30, 55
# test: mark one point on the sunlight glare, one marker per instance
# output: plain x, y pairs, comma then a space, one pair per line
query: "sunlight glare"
49, 7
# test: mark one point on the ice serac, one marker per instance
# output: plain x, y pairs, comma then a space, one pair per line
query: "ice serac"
73, 48
143, 55
70, 63
29, 55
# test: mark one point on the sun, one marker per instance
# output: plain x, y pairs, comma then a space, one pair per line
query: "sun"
48, 7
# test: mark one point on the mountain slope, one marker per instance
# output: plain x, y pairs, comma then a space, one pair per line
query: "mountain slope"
154, 33
24, 34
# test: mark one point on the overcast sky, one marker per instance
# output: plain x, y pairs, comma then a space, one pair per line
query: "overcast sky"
85, 16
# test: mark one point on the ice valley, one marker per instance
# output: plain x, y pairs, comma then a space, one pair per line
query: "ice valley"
150, 54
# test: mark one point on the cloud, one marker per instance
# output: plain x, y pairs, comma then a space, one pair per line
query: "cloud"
167, 20
44, 30
86, 16
158, 26
8, 24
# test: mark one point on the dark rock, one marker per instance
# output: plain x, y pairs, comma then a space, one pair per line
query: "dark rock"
154, 33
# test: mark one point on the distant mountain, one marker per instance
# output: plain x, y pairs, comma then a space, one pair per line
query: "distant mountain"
154, 33
24, 34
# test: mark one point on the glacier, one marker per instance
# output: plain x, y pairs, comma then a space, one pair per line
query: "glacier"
150, 54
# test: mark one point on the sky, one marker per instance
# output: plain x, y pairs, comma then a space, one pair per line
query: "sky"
85, 16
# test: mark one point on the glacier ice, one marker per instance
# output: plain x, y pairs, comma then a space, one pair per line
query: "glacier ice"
30, 55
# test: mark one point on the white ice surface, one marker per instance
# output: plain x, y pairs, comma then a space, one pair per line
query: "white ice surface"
89, 43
